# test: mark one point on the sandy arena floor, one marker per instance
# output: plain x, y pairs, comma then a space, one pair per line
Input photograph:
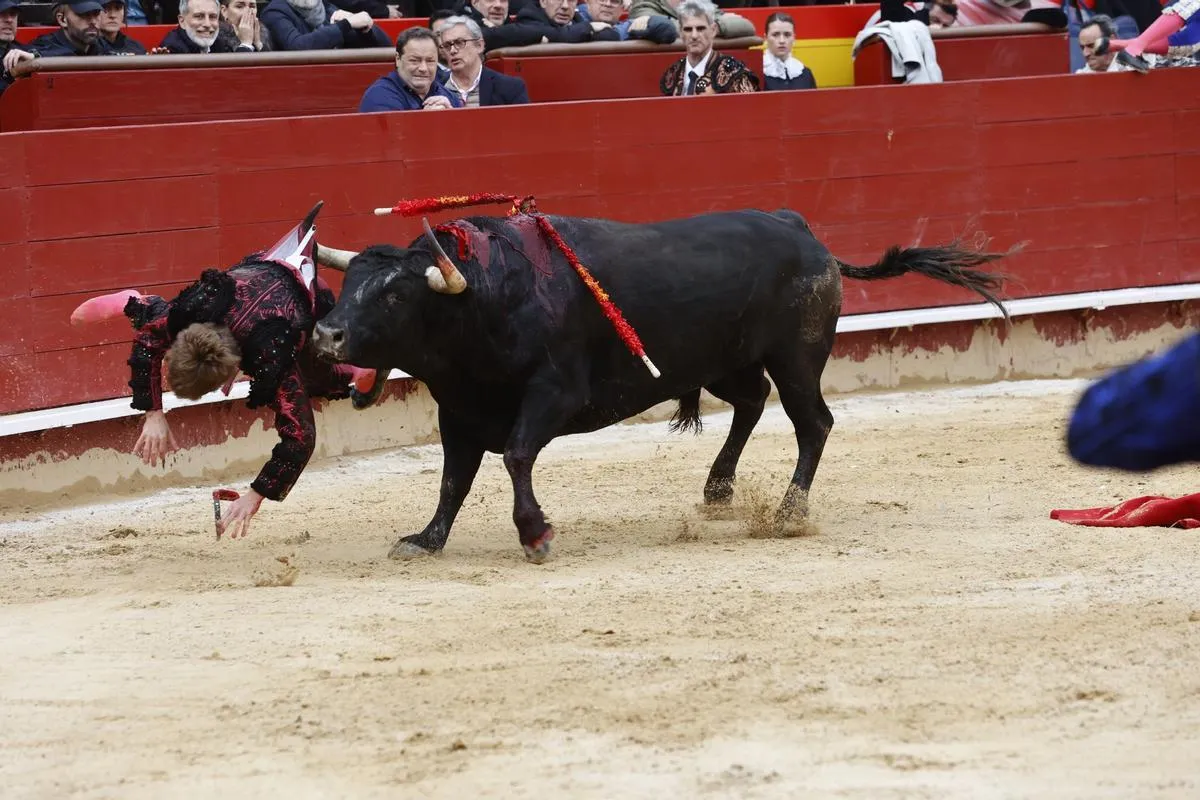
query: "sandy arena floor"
939, 637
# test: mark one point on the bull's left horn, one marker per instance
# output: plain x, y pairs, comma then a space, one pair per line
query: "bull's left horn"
447, 279
333, 258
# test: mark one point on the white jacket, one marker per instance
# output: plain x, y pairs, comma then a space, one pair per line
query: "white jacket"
913, 54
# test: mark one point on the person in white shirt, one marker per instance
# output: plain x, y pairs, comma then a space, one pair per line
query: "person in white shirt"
1098, 27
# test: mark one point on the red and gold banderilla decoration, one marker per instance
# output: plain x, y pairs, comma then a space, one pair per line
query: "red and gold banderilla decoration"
526, 205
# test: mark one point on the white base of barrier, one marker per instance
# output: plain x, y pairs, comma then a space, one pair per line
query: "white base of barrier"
83, 413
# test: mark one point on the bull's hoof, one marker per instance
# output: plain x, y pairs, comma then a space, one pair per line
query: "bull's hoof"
719, 493
361, 400
539, 551
405, 550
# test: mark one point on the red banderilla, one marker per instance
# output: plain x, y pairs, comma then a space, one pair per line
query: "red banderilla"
218, 496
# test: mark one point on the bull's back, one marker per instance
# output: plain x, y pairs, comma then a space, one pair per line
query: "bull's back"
707, 295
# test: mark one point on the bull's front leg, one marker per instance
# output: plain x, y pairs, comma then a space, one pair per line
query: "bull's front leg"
551, 399
461, 457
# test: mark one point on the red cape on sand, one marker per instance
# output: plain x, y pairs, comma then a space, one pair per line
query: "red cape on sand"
1140, 512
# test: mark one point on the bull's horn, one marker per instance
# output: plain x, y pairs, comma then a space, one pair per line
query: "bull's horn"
447, 279
334, 258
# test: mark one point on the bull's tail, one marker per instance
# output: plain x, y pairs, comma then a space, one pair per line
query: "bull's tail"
950, 264
687, 417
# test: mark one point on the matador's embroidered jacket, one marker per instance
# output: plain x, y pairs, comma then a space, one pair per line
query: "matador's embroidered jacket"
271, 314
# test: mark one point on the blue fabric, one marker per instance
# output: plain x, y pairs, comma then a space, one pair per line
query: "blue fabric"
389, 93
1142, 416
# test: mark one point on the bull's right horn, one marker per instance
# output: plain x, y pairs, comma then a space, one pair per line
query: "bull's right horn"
333, 258
446, 278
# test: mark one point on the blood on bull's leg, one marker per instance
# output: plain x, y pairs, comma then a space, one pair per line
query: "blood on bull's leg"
550, 400
461, 457
747, 392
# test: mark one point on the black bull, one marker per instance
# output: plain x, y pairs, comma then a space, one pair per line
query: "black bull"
516, 351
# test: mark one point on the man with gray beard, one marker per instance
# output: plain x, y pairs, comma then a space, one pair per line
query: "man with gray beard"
199, 23
319, 25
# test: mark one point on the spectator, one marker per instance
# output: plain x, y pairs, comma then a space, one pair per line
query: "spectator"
1079, 12
112, 37
198, 31
1098, 27
78, 31
413, 85
781, 69
493, 19
559, 21
938, 14
241, 28
11, 53
729, 26
437, 23
475, 84
707, 71
319, 25
655, 28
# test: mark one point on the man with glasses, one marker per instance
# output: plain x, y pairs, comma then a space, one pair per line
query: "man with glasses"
413, 85
461, 42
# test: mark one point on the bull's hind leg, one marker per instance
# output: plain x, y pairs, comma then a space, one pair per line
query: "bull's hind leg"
796, 371
461, 457
747, 392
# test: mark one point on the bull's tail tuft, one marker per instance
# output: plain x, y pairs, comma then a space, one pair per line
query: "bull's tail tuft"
687, 416
952, 264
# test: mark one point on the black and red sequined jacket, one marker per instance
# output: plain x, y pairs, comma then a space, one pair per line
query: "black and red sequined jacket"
271, 315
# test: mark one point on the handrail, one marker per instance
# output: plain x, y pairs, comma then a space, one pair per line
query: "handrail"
604, 48
1008, 29
978, 31
362, 55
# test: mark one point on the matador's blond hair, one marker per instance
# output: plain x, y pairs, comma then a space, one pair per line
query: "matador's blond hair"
202, 358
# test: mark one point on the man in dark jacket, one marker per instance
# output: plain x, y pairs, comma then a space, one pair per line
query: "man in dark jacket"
461, 43
654, 28
494, 19
198, 31
558, 21
112, 34
78, 31
11, 53
413, 85
319, 25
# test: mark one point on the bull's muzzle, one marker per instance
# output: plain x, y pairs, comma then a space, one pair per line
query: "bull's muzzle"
329, 342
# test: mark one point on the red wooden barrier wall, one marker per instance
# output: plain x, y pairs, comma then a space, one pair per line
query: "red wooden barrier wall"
975, 58
1101, 174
